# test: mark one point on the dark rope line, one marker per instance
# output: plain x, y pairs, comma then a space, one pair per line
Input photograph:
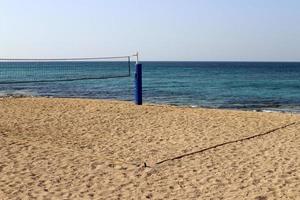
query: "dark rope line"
63, 80
226, 143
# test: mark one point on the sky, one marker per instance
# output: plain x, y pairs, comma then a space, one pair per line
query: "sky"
161, 30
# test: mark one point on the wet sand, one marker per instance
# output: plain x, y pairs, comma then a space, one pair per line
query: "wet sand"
96, 149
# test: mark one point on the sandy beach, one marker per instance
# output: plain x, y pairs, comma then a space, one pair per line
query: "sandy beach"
97, 149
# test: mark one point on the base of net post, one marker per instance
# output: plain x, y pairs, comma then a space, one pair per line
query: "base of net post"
138, 85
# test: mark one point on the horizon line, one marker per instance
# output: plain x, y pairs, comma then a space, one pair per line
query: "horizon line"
264, 61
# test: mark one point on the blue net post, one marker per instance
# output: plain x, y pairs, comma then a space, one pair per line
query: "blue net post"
138, 85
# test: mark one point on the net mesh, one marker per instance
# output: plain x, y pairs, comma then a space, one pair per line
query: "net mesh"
52, 70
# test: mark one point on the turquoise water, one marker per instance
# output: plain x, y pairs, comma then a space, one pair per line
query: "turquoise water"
234, 85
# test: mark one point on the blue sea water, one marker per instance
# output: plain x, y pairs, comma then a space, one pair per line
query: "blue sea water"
267, 86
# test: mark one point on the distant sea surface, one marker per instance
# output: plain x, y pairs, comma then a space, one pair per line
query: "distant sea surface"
259, 86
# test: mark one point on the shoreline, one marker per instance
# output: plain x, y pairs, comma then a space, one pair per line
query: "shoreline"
264, 110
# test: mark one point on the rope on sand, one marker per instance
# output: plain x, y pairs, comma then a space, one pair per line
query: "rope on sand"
226, 143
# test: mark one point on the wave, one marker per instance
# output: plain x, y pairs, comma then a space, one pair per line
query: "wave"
18, 93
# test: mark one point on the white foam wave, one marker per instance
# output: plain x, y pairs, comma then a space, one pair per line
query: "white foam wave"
18, 93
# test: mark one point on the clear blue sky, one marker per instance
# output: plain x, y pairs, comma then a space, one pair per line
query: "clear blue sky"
250, 30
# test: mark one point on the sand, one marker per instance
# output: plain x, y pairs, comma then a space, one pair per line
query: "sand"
96, 149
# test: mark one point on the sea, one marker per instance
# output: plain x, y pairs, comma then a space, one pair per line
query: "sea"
256, 86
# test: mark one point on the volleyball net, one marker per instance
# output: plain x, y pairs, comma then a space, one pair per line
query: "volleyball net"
13, 71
